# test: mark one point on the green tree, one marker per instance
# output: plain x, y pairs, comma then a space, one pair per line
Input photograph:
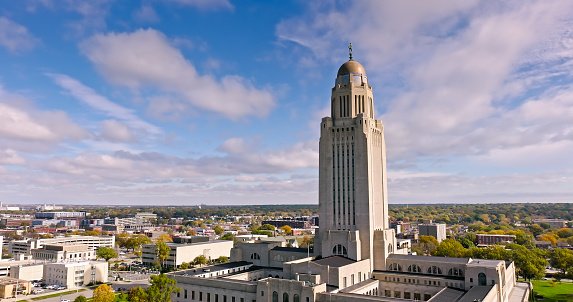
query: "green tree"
200, 260
536, 230
218, 229
161, 288
106, 253
223, 259
522, 238
184, 265
528, 263
562, 259
227, 236
81, 298
268, 227
162, 251
137, 294
565, 233
103, 293
450, 248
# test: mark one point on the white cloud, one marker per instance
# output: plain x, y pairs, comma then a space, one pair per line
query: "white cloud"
206, 4
146, 14
105, 106
10, 157
21, 121
115, 131
15, 37
145, 58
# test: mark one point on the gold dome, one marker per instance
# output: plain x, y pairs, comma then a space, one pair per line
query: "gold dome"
351, 67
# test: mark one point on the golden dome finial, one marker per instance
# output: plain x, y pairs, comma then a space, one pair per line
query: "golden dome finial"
350, 51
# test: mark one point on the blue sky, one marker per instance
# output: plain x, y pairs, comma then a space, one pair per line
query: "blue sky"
190, 102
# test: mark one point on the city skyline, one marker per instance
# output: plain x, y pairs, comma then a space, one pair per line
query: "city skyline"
187, 102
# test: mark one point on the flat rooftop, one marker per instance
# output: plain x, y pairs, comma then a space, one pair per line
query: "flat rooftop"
430, 259
334, 261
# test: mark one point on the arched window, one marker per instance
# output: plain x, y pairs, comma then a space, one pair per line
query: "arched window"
275, 297
255, 256
455, 272
285, 297
395, 267
339, 249
482, 280
434, 270
295, 298
414, 269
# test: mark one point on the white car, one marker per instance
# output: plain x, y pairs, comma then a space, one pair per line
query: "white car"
37, 291
64, 300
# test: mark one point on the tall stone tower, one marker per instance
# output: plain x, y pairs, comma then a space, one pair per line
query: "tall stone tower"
353, 200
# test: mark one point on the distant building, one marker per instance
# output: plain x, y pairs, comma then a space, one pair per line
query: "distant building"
438, 230
145, 216
26, 246
187, 252
554, 223
490, 239
47, 207
75, 274
8, 208
295, 224
60, 215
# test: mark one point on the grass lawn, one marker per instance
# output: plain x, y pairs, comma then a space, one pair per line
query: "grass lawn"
57, 294
544, 291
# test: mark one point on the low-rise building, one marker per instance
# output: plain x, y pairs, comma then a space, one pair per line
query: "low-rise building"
26, 246
10, 287
490, 239
187, 252
65, 252
30, 272
554, 223
74, 274
438, 230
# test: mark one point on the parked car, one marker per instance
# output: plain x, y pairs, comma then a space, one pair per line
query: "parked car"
37, 291
64, 300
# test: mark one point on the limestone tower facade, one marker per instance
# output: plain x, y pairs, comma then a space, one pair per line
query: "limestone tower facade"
353, 200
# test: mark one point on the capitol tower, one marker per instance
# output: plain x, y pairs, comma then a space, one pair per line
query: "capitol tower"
353, 198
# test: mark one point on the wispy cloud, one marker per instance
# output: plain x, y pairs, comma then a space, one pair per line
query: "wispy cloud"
102, 104
15, 37
206, 4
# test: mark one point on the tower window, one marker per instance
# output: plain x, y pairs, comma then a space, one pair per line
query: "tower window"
339, 249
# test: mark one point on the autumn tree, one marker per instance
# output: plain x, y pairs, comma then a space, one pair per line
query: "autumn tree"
286, 229
427, 244
162, 252
103, 293
137, 294
164, 238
